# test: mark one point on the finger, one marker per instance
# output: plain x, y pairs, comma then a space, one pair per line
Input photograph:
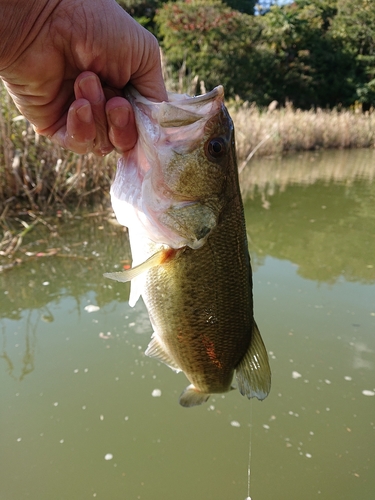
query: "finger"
78, 131
88, 86
122, 130
80, 124
148, 77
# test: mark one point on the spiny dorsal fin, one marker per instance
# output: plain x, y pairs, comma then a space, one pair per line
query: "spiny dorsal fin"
156, 350
253, 373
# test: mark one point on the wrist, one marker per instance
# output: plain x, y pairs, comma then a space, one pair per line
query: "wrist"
20, 23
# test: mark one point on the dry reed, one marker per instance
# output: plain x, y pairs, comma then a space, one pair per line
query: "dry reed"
283, 130
37, 175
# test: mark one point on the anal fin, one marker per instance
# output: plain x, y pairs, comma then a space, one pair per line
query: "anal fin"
192, 397
156, 350
253, 373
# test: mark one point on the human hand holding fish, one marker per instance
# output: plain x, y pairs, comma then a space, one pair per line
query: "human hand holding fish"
178, 193
65, 64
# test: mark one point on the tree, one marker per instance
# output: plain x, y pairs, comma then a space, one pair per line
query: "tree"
214, 41
310, 66
354, 26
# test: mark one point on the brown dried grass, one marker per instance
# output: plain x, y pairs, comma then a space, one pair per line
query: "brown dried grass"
37, 175
287, 129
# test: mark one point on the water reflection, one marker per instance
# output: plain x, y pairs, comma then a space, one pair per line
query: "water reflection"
80, 399
317, 211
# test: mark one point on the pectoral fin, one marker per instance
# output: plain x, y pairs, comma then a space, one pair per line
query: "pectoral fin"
192, 397
253, 373
124, 276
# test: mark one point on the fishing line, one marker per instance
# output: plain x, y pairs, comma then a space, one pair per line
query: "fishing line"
249, 462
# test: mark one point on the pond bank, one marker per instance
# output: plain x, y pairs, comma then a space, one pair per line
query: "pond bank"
37, 175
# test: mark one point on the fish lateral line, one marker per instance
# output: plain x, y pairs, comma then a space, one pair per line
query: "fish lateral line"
159, 258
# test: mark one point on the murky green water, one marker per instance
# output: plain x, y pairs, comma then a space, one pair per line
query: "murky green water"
84, 414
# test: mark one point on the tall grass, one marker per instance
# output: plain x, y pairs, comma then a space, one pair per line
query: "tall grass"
287, 129
37, 175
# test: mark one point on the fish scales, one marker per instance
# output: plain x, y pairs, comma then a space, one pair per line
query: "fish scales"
204, 308
198, 291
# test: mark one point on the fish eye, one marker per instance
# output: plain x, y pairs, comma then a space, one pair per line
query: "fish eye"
216, 147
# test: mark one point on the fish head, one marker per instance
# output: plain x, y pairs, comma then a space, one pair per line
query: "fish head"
176, 179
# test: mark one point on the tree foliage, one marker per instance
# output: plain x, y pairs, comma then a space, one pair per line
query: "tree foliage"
211, 39
310, 52
354, 25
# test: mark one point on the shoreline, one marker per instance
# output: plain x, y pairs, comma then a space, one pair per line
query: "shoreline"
39, 176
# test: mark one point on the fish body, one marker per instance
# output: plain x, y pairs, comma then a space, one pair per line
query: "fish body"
178, 193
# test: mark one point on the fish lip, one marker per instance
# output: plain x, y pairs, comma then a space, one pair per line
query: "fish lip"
133, 95
208, 96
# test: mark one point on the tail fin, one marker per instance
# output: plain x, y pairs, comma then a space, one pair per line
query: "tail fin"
253, 373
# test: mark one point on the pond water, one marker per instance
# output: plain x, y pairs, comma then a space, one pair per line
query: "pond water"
85, 414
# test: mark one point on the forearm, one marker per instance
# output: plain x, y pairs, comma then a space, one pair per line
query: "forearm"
20, 23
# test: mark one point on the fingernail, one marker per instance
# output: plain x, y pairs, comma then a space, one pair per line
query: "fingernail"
84, 113
119, 117
91, 89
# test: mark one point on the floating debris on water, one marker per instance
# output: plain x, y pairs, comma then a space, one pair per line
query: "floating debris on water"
108, 456
234, 423
327, 381
347, 378
104, 336
156, 393
366, 392
91, 308
296, 375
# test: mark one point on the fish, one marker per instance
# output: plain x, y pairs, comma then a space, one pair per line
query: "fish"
177, 191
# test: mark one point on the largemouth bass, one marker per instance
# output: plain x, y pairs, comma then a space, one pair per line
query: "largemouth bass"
178, 193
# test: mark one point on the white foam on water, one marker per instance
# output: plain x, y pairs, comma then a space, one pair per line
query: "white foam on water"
234, 423
108, 456
156, 393
296, 375
366, 392
91, 308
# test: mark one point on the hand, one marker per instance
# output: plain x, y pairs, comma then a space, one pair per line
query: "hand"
67, 68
